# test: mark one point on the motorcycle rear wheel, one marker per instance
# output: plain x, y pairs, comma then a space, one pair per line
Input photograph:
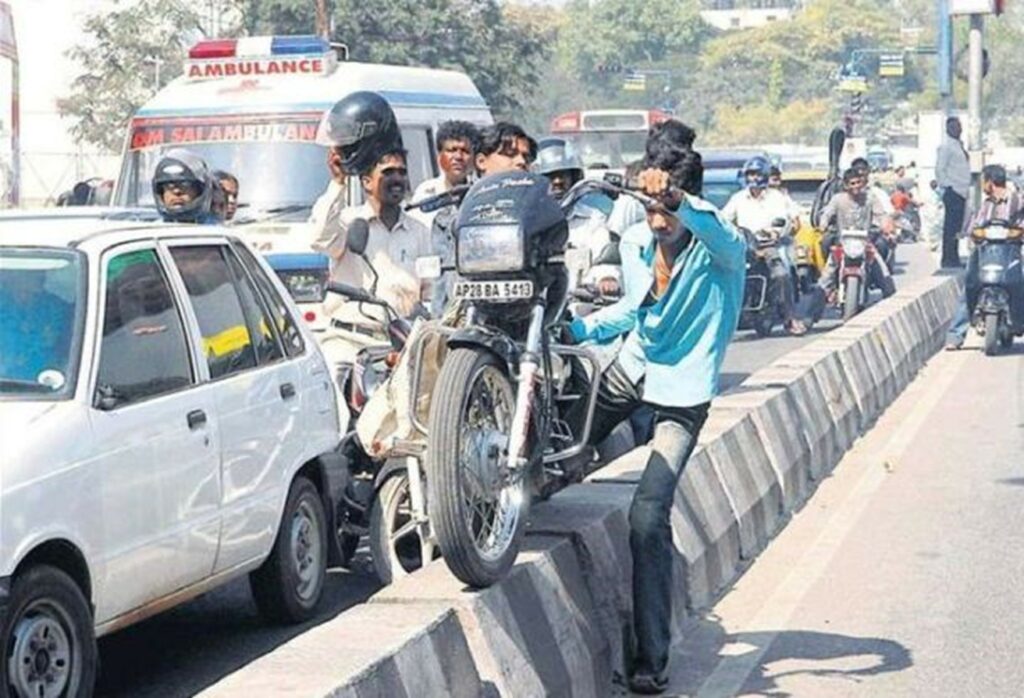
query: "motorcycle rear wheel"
991, 334
477, 507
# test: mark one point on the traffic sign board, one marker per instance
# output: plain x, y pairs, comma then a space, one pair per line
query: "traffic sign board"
890, 65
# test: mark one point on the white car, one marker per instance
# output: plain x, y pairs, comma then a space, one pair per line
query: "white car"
167, 423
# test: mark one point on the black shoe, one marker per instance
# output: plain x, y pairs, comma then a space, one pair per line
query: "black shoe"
648, 684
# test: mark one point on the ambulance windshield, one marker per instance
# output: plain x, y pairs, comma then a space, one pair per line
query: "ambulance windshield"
274, 178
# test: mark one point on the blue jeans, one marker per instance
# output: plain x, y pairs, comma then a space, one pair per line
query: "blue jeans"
650, 531
961, 323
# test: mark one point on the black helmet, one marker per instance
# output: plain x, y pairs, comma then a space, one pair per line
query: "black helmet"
364, 127
183, 167
556, 154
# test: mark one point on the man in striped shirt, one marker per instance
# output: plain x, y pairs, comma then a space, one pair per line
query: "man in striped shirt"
999, 204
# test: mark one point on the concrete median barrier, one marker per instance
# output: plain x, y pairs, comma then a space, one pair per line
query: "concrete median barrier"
558, 624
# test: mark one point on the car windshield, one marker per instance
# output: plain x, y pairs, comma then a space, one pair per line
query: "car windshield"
803, 191
42, 296
257, 166
609, 149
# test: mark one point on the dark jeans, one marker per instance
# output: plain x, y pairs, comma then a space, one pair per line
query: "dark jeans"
650, 532
951, 227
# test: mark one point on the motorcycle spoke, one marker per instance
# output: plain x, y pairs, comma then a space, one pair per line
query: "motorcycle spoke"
406, 529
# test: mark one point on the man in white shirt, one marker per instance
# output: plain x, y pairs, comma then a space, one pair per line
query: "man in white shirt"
396, 241
953, 173
456, 147
756, 208
335, 196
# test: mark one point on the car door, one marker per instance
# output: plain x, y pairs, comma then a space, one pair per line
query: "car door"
257, 396
155, 427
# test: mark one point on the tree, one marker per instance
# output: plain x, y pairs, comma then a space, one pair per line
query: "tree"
126, 47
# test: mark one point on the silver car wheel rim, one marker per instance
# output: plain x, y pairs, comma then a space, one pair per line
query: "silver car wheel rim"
306, 550
42, 659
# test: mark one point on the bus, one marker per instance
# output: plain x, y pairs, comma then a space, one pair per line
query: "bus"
608, 139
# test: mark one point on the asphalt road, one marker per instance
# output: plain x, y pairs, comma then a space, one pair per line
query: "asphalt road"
190, 647
901, 577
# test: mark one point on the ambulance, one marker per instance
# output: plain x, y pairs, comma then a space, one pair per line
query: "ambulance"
251, 106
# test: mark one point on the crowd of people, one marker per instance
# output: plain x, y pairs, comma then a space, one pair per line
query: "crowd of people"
680, 286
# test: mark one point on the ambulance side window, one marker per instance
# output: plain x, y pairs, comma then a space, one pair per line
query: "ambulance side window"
421, 161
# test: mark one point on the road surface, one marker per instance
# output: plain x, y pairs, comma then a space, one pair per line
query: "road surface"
902, 575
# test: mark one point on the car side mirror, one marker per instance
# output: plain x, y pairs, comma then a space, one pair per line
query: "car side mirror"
107, 398
358, 236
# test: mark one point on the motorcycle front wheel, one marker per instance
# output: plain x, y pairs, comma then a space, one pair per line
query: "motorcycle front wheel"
397, 541
851, 297
477, 505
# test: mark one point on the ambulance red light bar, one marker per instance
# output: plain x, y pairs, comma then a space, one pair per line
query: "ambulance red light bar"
259, 46
260, 55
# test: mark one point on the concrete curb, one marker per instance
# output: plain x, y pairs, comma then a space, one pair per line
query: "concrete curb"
559, 623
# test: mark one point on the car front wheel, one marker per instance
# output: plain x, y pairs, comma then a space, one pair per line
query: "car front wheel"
49, 645
288, 586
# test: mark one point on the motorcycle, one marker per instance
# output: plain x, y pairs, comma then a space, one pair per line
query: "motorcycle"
497, 425
995, 284
853, 255
908, 224
768, 283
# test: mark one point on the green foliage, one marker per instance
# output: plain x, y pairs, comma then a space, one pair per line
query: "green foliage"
119, 64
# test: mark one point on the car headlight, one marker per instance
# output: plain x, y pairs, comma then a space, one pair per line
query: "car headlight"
480, 249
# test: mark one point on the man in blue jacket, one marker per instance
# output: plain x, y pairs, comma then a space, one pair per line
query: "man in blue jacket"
683, 310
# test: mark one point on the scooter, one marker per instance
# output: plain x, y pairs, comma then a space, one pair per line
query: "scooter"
995, 284
768, 283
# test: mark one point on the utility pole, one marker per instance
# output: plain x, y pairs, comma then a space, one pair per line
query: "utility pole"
975, 75
323, 25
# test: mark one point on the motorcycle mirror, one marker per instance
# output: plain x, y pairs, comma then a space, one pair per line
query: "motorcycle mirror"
779, 223
609, 254
615, 179
358, 236
428, 267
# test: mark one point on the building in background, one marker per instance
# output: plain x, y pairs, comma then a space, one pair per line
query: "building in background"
743, 14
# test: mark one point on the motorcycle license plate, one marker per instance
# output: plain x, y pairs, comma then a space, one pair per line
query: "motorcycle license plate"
499, 291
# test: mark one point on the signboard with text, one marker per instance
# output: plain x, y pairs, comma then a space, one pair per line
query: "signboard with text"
151, 133
973, 7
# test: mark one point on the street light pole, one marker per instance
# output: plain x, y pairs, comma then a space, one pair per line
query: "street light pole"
323, 27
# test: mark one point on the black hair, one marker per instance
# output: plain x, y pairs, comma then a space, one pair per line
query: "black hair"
995, 174
673, 131
457, 131
774, 171
852, 172
670, 148
221, 175
502, 135
860, 164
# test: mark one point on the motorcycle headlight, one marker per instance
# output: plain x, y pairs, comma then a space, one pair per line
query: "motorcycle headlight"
854, 247
480, 249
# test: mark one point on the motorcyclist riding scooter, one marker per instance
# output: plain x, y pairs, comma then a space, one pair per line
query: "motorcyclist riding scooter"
757, 210
588, 219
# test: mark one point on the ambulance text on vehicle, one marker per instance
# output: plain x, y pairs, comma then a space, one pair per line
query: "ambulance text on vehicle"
251, 107
608, 139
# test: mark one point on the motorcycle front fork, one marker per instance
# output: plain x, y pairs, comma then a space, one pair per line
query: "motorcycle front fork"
529, 365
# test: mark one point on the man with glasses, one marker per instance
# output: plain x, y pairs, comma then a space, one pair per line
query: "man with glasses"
395, 242
690, 291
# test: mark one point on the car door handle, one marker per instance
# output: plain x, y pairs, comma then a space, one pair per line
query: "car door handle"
287, 391
196, 419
